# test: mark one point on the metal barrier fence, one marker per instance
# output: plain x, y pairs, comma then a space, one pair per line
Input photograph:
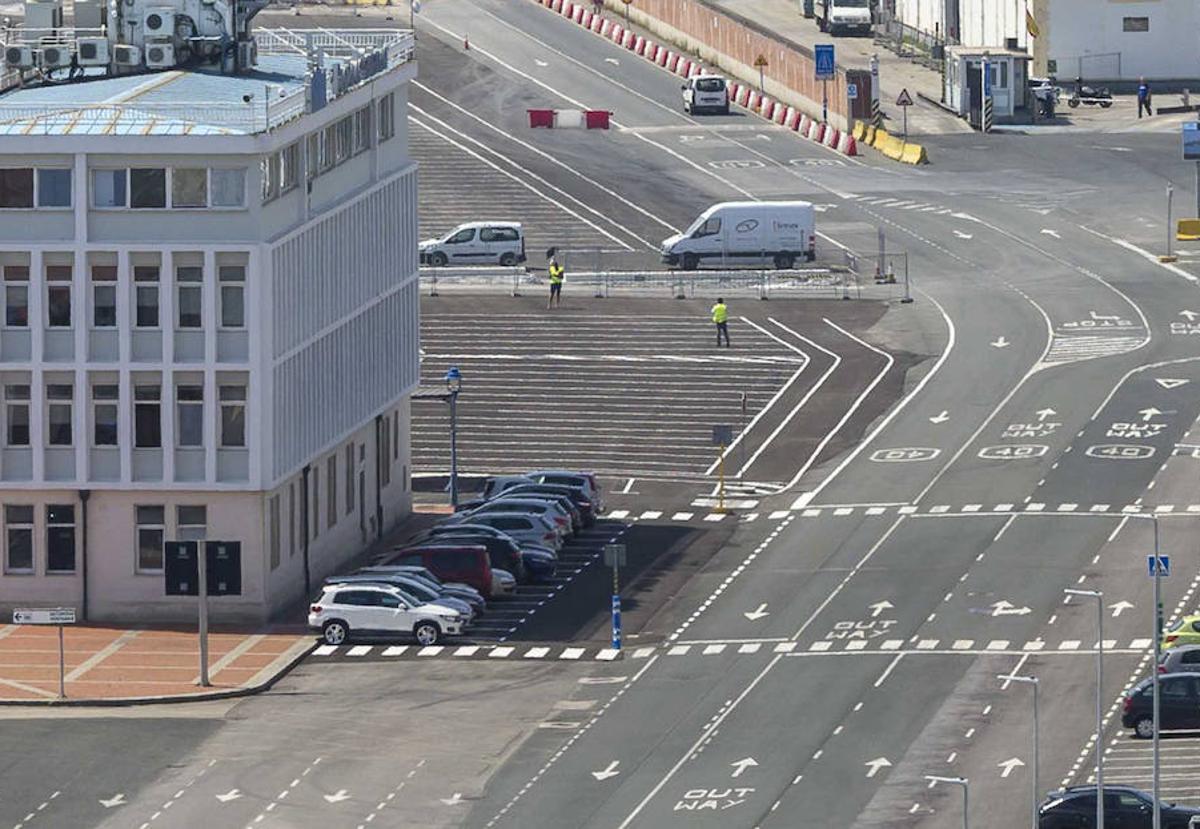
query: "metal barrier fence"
925, 47
886, 274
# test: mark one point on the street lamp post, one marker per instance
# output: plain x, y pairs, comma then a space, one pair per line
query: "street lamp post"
1033, 783
957, 781
453, 386
1157, 819
1099, 597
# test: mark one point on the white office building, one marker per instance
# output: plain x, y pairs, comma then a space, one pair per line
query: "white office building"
210, 318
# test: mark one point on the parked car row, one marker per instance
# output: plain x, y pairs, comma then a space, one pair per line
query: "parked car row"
439, 582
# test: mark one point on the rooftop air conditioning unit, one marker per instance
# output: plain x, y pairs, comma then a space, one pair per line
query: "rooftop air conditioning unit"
93, 51
160, 55
20, 57
55, 56
158, 22
126, 55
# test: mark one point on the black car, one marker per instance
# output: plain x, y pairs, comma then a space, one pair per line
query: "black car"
1128, 808
1178, 704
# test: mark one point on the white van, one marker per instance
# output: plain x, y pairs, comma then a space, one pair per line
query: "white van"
706, 92
477, 243
844, 16
740, 234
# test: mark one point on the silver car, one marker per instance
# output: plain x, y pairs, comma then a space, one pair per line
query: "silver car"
525, 528
534, 506
1180, 659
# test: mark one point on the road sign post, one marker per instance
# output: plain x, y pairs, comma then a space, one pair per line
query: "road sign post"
58, 616
760, 63
614, 557
1159, 566
722, 436
1191, 152
218, 572
904, 101
826, 66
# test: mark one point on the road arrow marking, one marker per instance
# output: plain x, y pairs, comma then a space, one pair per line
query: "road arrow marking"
873, 766
755, 615
1008, 765
1042, 414
338, 796
1169, 382
540, 62
1004, 608
1050, 232
1191, 315
115, 800
613, 61
611, 771
1148, 414
942, 418
879, 607
1119, 607
232, 794
453, 800
741, 765
962, 235
1000, 343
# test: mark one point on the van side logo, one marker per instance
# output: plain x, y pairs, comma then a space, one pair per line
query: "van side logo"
746, 226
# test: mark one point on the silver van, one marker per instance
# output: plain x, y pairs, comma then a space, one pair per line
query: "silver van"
477, 243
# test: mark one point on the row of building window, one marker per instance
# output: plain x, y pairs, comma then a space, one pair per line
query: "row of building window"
328, 147
189, 296
20, 554
147, 415
175, 188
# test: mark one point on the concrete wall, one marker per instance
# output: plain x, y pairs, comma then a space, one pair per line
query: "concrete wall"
1094, 30
992, 22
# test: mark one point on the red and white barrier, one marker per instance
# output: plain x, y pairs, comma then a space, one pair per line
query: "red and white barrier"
638, 44
662, 56
598, 24
847, 146
754, 100
831, 137
568, 9
585, 19
697, 69
606, 27
556, 5
766, 108
792, 119
743, 98
780, 113
685, 67
592, 119
648, 49
628, 39
580, 11
616, 32
672, 62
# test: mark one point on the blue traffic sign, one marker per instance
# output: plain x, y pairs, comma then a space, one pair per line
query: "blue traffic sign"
1164, 565
616, 622
1191, 141
852, 91
826, 66
987, 79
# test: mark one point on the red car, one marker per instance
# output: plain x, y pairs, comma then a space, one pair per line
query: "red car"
468, 564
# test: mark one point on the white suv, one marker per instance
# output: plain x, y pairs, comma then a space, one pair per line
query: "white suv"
379, 610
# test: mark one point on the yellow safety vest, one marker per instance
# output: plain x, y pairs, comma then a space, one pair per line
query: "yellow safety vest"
556, 274
720, 312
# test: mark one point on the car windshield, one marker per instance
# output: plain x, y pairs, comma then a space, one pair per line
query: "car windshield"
1176, 625
852, 4
710, 85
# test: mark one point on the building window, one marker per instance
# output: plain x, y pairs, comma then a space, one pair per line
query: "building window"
189, 291
109, 188
60, 538
387, 117
150, 534
1135, 24
147, 187
292, 534
16, 187
385, 451
190, 403
145, 279
395, 436
191, 523
18, 536
189, 187
344, 139
228, 187
350, 479
16, 296
16, 425
104, 415
58, 296
233, 296
273, 531
268, 169
147, 416
362, 130
328, 144
289, 168
312, 152
331, 490
314, 479
104, 296
59, 397
233, 416
53, 187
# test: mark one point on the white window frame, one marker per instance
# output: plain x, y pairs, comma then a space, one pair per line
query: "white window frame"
232, 403
25, 402
182, 286
138, 526
21, 525
25, 283
170, 192
37, 189
222, 284
94, 403
179, 406
51, 402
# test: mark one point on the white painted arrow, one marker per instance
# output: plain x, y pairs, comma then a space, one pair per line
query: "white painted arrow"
1008, 765
1148, 414
879, 607
1000, 342
1005, 608
115, 800
338, 796
1050, 232
873, 766
453, 800
540, 62
962, 235
610, 771
1169, 382
1042, 414
942, 418
741, 765
755, 615
232, 794
1191, 315
613, 61
1119, 607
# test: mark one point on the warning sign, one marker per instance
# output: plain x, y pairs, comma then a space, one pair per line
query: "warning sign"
761, 60
904, 99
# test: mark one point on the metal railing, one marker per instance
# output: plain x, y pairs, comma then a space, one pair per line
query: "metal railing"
910, 41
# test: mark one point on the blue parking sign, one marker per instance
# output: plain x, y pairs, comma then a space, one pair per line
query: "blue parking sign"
826, 66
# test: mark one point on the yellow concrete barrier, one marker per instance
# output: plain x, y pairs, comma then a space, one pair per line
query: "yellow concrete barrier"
869, 136
860, 130
1188, 230
892, 147
879, 138
914, 154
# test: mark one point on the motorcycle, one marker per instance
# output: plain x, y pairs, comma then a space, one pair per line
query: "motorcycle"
1090, 95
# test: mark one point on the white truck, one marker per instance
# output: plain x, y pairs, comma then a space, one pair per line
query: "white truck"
745, 234
843, 16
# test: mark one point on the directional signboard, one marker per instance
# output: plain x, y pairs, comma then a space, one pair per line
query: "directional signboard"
826, 66
44, 616
722, 435
182, 569
1191, 141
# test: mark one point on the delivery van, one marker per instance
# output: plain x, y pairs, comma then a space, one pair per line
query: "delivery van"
476, 243
844, 16
705, 93
745, 234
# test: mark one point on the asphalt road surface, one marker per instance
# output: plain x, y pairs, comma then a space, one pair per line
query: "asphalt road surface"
1001, 439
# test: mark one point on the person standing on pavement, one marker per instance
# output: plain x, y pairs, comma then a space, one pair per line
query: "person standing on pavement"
557, 274
1143, 96
720, 316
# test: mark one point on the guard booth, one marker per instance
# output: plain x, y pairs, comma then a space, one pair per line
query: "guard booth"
964, 82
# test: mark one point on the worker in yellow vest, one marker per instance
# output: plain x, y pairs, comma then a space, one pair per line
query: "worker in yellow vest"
557, 273
720, 315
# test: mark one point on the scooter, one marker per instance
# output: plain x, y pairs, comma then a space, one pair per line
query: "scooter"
1090, 95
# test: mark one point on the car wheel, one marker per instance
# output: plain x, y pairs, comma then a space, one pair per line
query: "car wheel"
1072, 102
1143, 728
784, 261
335, 632
508, 259
690, 262
438, 259
427, 633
